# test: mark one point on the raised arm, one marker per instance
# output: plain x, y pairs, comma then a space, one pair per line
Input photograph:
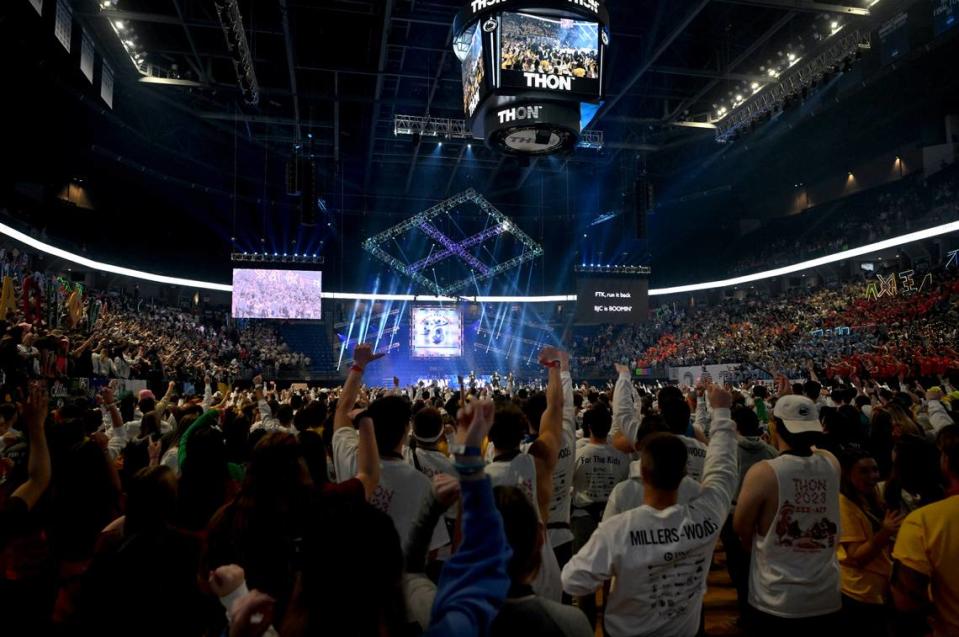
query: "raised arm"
545, 450
474, 581
569, 405
721, 470
367, 457
625, 426
38, 464
362, 356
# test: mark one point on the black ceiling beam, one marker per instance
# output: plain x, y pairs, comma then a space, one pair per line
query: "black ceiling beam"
291, 64
162, 18
809, 6
378, 93
200, 71
429, 102
638, 75
742, 57
708, 73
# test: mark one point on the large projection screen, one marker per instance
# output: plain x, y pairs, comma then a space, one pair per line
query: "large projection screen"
436, 332
277, 294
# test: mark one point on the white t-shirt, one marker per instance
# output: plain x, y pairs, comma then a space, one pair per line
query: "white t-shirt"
431, 463
559, 504
794, 570
629, 494
520, 472
599, 468
659, 560
401, 492
695, 457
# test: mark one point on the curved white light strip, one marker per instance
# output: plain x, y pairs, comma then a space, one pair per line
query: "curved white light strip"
814, 263
679, 289
106, 267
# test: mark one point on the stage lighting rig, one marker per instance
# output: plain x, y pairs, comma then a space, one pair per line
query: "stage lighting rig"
276, 257
462, 251
533, 71
232, 24
613, 269
841, 51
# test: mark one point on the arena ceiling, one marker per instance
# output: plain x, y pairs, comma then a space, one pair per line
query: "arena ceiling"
332, 75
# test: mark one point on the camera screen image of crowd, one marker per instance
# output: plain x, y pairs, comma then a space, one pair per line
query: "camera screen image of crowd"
277, 294
547, 46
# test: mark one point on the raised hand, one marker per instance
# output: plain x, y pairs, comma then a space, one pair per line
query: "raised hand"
37, 405
363, 355
548, 354
720, 398
620, 368
474, 422
226, 579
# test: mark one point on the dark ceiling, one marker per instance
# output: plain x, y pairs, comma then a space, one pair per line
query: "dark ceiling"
195, 166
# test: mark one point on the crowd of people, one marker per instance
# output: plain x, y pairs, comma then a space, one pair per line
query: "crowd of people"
534, 45
493, 511
277, 294
914, 203
843, 331
64, 330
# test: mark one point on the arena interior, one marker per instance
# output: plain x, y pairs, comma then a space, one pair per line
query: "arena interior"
568, 318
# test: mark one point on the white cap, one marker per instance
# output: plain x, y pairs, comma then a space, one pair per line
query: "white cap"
798, 413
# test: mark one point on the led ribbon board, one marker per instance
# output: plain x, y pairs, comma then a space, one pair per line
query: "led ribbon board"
852, 253
463, 249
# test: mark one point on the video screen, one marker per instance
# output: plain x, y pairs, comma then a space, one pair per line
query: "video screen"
437, 333
612, 300
277, 294
473, 74
549, 53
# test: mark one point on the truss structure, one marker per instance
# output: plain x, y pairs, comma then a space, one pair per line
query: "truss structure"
612, 269
275, 257
462, 250
802, 76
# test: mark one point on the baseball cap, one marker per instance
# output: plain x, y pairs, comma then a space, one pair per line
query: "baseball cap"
798, 413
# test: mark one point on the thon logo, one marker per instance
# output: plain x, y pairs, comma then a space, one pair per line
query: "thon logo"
479, 5
592, 5
538, 80
518, 113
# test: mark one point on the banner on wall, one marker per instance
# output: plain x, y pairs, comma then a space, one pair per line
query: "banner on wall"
689, 375
63, 24
86, 57
106, 85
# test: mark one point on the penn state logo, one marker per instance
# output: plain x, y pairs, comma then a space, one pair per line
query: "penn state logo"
604, 37
489, 26
803, 410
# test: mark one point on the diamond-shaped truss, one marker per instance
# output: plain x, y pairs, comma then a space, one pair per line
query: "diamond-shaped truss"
448, 249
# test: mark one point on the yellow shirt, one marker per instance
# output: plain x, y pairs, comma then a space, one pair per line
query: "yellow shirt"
868, 584
928, 543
